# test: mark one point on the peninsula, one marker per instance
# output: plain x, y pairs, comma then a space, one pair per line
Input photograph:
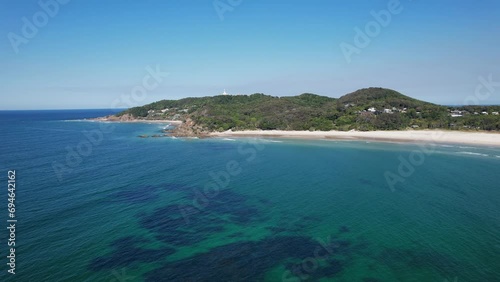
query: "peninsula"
370, 113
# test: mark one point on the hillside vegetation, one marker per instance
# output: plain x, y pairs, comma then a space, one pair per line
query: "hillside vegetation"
365, 109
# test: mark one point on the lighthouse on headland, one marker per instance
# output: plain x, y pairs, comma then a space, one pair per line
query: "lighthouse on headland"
224, 93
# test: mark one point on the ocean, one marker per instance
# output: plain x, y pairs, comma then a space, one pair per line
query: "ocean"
93, 202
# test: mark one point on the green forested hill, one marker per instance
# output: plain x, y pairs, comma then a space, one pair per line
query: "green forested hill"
365, 109
382, 98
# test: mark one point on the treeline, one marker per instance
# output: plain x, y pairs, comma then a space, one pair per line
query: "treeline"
365, 109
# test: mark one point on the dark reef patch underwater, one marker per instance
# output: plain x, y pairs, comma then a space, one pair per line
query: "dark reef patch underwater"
238, 237
249, 261
172, 225
298, 257
301, 257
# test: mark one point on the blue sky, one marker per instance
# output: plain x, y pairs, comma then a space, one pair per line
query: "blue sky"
91, 52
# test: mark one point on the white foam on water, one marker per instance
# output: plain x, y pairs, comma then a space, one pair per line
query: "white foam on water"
265, 140
79, 120
473, 154
463, 147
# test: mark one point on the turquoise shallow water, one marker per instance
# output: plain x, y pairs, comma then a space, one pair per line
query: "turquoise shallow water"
165, 209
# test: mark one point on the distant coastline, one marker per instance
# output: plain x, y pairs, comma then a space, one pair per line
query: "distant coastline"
367, 109
367, 114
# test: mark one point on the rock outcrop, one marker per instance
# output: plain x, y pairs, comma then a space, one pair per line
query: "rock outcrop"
189, 129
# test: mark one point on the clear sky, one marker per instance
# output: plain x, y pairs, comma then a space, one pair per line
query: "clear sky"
91, 52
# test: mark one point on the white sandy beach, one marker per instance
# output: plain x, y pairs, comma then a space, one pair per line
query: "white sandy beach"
417, 136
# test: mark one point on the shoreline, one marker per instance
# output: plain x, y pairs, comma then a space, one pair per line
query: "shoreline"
402, 136
406, 136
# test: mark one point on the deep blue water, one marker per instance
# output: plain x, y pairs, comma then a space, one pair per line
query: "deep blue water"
96, 203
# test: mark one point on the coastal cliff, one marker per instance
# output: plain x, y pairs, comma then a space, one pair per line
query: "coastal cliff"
189, 129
